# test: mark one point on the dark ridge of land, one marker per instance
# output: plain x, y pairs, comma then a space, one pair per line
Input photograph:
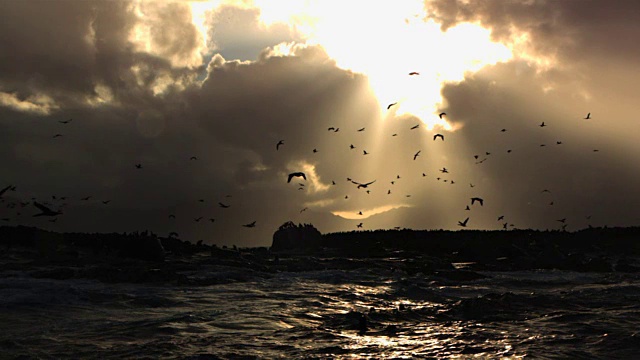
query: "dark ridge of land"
142, 257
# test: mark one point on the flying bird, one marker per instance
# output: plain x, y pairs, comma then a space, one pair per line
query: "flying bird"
359, 226
281, 142
171, 216
197, 219
305, 209
212, 219
444, 170
467, 208
250, 225
480, 200
224, 206
106, 202
86, 198
501, 217
193, 158
364, 152
390, 105
415, 156
57, 135
562, 220
438, 136
463, 223
45, 211
5, 190
503, 130
588, 116
138, 166
363, 185
65, 121
315, 151
442, 114
298, 174
542, 125
361, 129
414, 73
351, 147
415, 126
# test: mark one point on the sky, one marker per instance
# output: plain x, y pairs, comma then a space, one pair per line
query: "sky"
90, 89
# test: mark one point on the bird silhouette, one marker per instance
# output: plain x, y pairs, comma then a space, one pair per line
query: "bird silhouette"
281, 142
212, 220
562, 220
423, 174
333, 182
351, 147
364, 152
138, 166
315, 151
588, 116
415, 156
415, 126
467, 208
365, 185
558, 142
106, 202
359, 212
501, 217
296, 174
64, 121
471, 185
305, 209
542, 125
389, 192
359, 226
5, 190
193, 158
414, 73
57, 136
444, 170
86, 198
224, 206
474, 199
197, 219
45, 211
171, 216
331, 129
442, 114
463, 223
250, 225
438, 136
503, 130
361, 129
390, 105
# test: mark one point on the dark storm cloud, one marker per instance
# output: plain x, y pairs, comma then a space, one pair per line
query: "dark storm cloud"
574, 30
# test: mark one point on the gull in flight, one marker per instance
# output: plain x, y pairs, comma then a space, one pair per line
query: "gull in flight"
250, 225
414, 73
442, 114
390, 105
281, 142
474, 199
438, 136
415, 156
363, 185
45, 211
588, 116
298, 174
224, 206
463, 223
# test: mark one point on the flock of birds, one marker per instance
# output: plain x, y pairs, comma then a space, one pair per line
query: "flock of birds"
46, 208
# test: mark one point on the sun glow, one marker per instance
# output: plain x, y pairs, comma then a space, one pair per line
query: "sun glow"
386, 42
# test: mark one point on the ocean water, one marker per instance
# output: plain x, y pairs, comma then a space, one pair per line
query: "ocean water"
319, 314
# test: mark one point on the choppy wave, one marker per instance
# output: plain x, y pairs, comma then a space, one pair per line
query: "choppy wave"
319, 314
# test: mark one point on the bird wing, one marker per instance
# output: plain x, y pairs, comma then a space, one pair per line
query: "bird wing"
41, 207
5, 190
290, 177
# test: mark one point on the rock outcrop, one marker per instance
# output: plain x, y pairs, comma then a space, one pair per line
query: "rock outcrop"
295, 238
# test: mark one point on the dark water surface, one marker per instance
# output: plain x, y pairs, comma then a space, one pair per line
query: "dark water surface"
317, 314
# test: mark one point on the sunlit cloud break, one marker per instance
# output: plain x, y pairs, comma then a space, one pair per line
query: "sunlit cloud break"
366, 213
386, 43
